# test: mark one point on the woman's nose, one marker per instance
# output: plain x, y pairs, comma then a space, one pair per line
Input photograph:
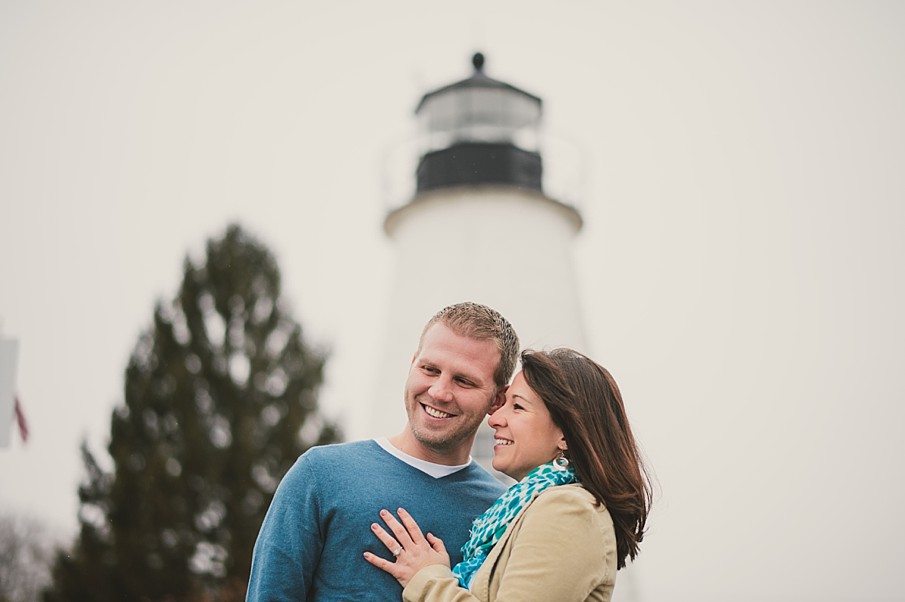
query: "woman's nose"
497, 418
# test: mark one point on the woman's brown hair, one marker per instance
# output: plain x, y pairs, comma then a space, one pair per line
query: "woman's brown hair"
586, 404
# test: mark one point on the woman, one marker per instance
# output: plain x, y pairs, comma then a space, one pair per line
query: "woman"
576, 512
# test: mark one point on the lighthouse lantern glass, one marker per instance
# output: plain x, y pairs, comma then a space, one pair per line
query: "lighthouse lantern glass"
480, 114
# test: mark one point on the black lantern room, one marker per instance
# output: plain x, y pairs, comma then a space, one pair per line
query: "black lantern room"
479, 131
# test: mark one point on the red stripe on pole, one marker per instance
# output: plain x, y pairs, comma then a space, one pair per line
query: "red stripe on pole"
20, 418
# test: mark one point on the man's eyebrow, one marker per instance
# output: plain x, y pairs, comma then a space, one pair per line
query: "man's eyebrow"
472, 377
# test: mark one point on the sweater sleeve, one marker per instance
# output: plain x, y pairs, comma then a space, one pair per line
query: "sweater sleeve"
561, 551
289, 543
435, 583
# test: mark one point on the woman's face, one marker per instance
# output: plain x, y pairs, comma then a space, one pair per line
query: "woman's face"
525, 435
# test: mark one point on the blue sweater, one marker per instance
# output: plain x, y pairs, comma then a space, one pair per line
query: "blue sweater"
311, 542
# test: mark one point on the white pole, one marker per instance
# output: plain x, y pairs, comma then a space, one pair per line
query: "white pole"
8, 352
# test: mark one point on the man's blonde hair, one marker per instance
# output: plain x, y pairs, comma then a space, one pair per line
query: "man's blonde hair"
476, 321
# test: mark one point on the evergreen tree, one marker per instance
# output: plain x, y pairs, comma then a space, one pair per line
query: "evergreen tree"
220, 399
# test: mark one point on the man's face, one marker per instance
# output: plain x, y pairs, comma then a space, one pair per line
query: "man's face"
449, 391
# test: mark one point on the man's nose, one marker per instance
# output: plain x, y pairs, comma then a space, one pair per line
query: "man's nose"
441, 390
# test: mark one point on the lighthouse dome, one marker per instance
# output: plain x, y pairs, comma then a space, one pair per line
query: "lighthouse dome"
479, 130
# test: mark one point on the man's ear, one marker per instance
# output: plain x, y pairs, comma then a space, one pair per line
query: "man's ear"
498, 400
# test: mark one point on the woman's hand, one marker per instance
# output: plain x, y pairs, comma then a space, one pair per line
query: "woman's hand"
412, 550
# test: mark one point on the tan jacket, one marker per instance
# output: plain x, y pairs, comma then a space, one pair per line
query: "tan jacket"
559, 548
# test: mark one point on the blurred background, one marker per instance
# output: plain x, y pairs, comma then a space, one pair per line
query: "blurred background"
738, 166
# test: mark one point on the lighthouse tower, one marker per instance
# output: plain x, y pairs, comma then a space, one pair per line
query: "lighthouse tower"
479, 227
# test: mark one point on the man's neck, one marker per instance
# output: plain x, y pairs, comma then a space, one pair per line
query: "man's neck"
407, 443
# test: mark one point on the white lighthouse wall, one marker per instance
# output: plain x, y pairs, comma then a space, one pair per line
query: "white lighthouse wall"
501, 246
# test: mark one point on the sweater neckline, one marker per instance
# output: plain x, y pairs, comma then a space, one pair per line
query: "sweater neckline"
437, 471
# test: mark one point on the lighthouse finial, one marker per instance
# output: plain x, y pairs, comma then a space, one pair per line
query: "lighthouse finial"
478, 61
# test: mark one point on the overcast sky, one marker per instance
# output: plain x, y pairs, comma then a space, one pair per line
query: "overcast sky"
741, 266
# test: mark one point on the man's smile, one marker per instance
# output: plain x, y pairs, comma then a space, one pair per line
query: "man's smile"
435, 413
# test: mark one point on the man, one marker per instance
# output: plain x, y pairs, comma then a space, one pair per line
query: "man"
319, 524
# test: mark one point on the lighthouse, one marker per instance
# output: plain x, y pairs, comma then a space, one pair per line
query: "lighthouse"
478, 227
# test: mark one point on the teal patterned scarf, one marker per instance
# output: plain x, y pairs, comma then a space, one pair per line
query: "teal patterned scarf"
488, 528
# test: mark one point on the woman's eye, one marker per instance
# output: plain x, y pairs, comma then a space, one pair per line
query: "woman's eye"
517, 406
